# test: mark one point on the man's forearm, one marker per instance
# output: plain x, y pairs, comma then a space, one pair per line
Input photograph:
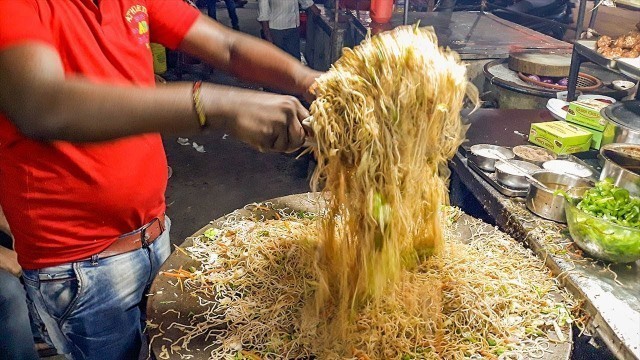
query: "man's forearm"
45, 104
110, 112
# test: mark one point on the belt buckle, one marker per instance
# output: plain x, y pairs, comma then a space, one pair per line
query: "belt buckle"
144, 236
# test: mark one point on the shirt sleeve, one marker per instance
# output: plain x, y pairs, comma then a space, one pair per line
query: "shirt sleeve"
305, 4
20, 22
264, 11
169, 21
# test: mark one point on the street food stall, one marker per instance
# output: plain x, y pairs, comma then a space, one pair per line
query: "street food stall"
474, 35
373, 266
484, 41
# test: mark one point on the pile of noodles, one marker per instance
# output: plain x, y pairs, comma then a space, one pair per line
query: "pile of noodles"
371, 277
256, 281
386, 121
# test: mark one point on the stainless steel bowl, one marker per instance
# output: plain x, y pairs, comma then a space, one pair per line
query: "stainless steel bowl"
617, 133
544, 203
512, 177
481, 155
622, 165
570, 167
623, 123
534, 154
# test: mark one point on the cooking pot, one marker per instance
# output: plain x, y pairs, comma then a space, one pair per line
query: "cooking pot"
623, 122
545, 203
622, 165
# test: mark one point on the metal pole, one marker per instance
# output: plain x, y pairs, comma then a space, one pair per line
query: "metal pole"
576, 60
580, 23
594, 13
334, 31
406, 13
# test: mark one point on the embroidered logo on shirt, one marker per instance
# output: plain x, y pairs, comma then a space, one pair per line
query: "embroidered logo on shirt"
138, 21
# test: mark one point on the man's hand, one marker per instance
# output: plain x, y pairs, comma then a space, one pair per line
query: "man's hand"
268, 122
266, 31
9, 261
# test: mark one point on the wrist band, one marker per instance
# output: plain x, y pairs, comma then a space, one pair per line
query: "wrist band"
197, 104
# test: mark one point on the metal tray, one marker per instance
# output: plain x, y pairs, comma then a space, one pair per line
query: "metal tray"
625, 113
491, 179
587, 48
628, 67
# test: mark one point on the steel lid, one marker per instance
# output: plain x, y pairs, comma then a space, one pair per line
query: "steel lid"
625, 113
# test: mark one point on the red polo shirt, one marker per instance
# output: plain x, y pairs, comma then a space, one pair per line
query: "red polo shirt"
67, 201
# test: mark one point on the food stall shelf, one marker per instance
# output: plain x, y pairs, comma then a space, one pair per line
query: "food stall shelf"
584, 50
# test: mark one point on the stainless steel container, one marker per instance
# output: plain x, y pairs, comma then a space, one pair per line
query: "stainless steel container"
544, 203
483, 156
569, 167
534, 154
512, 177
623, 122
622, 165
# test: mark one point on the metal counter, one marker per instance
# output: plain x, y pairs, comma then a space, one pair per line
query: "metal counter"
474, 35
611, 294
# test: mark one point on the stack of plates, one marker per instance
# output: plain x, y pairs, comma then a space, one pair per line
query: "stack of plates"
557, 106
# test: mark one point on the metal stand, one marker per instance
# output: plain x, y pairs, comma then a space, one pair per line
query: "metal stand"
579, 56
405, 21
582, 8
581, 53
576, 61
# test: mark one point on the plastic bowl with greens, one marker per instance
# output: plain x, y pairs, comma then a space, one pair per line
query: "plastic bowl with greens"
605, 223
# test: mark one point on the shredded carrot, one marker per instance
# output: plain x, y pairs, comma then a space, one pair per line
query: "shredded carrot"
174, 275
181, 250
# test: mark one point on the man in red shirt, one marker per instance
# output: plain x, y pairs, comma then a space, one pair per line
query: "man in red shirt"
82, 168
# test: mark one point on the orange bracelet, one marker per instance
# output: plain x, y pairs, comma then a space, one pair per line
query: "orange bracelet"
197, 104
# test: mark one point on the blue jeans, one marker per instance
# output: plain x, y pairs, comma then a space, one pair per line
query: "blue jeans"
287, 40
95, 311
16, 339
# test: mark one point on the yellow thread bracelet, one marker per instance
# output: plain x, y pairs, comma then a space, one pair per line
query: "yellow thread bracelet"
197, 104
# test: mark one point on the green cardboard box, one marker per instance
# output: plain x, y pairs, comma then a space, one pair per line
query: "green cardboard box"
587, 113
596, 137
560, 137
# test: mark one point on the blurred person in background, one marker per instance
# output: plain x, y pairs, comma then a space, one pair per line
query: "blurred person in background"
231, 9
280, 20
16, 337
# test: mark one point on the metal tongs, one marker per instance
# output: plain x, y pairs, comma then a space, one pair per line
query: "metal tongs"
307, 125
